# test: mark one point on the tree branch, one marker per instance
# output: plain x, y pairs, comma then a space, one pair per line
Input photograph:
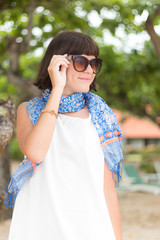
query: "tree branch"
25, 45
30, 22
154, 37
17, 80
13, 48
23, 83
149, 26
157, 13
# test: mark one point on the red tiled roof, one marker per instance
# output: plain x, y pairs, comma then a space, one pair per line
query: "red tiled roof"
136, 127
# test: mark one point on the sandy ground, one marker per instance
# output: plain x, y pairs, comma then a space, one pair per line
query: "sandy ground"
140, 214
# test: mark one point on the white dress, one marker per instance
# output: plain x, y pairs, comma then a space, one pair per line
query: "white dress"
64, 199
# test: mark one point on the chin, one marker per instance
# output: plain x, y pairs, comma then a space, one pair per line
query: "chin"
84, 89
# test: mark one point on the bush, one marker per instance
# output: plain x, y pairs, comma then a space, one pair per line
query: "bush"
149, 156
147, 167
146, 158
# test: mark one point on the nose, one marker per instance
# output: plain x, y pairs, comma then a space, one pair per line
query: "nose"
89, 69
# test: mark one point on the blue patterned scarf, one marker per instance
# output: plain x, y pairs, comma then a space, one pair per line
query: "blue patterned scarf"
104, 121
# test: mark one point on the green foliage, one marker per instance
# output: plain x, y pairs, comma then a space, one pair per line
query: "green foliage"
6, 89
130, 15
29, 65
144, 158
127, 81
149, 156
130, 81
147, 166
49, 18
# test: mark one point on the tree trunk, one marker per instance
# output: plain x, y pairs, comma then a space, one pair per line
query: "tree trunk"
15, 49
7, 125
4, 176
154, 37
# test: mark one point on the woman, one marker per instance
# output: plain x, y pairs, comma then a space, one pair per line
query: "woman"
72, 139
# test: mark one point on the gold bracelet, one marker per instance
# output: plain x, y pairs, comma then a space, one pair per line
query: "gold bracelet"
52, 112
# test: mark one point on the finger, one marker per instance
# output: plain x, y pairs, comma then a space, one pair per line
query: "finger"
63, 67
57, 63
57, 58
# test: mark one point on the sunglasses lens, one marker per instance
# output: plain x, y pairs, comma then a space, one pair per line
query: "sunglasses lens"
96, 65
80, 63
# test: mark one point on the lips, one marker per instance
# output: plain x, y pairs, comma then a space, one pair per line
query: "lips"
85, 79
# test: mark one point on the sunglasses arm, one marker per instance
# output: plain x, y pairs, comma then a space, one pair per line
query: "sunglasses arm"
69, 57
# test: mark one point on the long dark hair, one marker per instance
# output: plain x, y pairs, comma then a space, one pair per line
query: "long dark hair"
72, 43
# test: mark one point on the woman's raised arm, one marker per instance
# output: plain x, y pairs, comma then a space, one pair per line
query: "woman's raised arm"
34, 141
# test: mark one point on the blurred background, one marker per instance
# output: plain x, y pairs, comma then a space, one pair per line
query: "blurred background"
128, 34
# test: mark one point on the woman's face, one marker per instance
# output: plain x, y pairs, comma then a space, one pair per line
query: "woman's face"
78, 81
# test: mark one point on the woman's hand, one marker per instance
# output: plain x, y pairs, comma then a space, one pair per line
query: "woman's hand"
57, 70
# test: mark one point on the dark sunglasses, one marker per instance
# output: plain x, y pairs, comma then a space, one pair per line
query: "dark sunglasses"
80, 63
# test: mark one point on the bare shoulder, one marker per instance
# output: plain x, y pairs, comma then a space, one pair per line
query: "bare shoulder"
22, 107
22, 115
24, 125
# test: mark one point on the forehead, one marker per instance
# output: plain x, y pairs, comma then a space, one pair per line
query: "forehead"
89, 57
